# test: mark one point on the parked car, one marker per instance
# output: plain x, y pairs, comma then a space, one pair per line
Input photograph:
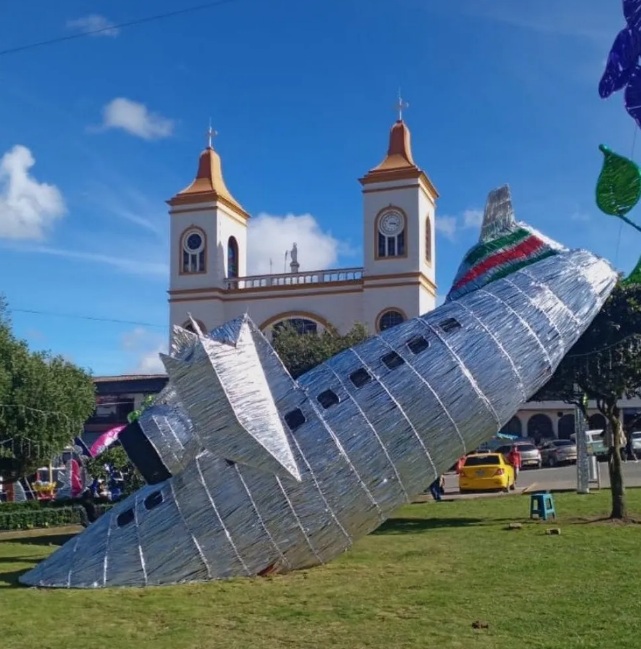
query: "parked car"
596, 445
558, 451
636, 441
486, 472
530, 455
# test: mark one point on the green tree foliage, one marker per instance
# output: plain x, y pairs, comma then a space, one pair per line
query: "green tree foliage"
44, 402
302, 352
605, 365
115, 459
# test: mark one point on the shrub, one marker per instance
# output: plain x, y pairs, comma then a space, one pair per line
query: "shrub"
30, 518
34, 514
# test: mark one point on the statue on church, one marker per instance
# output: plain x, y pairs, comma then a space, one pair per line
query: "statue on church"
294, 265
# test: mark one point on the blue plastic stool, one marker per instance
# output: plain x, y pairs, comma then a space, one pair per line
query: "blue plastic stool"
542, 505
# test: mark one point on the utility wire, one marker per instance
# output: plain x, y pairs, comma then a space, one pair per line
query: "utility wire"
86, 317
129, 23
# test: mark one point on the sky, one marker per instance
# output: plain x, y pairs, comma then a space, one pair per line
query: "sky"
99, 131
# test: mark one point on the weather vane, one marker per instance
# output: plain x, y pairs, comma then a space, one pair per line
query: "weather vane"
400, 106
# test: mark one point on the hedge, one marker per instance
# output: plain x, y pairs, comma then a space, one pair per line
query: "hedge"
33, 514
30, 518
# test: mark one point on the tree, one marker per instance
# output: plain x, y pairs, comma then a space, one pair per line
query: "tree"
44, 402
115, 459
302, 352
605, 366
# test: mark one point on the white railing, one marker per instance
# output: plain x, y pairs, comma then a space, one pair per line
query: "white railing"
289, 279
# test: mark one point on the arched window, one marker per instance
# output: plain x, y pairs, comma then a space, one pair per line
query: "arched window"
566, 426
389, 318
391, 233
428, 240
192, 248
597, 422
513, 427
188, 326
539, 426
301, 325
232, 257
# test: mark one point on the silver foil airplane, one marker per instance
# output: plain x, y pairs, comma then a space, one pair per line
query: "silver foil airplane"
250, 472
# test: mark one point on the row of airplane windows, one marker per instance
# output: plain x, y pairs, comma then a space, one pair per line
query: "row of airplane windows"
295, 419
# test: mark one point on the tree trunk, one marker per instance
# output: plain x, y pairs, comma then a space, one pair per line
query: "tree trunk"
615, 468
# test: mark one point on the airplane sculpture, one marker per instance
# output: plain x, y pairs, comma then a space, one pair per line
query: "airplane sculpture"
250, 472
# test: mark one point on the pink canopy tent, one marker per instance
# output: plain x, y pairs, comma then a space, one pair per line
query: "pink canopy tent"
105, 441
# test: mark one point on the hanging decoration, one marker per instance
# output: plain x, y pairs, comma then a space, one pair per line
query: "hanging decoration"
618, 189
619, 185
622, 69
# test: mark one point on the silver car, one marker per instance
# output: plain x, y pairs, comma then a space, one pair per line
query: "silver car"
558, 451
530, 455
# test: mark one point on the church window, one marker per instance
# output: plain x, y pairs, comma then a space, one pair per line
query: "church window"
190, 327
390, 318
193, 252
232, 258
391, 234
300, 325
428, 240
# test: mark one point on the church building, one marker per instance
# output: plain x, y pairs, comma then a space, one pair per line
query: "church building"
209, 253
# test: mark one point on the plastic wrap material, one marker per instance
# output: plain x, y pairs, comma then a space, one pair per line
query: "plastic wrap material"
269, 474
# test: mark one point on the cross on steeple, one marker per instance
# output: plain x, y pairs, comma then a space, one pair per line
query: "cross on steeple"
211, 134
400, 106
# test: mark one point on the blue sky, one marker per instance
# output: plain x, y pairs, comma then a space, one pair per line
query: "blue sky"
302, 96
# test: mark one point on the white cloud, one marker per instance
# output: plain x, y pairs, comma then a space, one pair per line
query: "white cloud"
472, 218
446, 225
94, 24
144, 349
28, 208
136, 119
449, 226
270, 237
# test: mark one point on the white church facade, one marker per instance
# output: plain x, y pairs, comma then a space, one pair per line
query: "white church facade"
209, 255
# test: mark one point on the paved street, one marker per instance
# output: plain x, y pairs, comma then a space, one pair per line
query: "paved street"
558, 478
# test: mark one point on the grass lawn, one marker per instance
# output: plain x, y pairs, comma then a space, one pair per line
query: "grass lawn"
420, 581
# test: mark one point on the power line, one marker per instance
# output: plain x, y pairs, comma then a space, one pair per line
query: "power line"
594, 352
87, 317
110, 27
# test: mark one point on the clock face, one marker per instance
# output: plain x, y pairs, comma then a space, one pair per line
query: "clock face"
391, 224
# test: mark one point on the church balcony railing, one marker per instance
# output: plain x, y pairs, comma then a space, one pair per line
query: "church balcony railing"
291, 279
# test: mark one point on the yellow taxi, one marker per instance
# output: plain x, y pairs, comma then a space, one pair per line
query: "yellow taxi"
486, 472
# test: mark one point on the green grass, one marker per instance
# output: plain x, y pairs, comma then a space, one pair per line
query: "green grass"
420, 581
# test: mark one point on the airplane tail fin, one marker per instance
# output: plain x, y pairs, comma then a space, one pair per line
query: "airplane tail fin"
504, 247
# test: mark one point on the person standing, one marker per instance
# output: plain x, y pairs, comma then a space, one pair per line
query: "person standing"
436, 489
514, 458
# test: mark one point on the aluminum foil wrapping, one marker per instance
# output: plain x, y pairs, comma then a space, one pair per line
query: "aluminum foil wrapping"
269, 474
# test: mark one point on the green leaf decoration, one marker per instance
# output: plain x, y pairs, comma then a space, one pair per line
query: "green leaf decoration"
635, 276
618, 189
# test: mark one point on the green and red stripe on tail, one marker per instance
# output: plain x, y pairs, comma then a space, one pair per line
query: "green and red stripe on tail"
505, 247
